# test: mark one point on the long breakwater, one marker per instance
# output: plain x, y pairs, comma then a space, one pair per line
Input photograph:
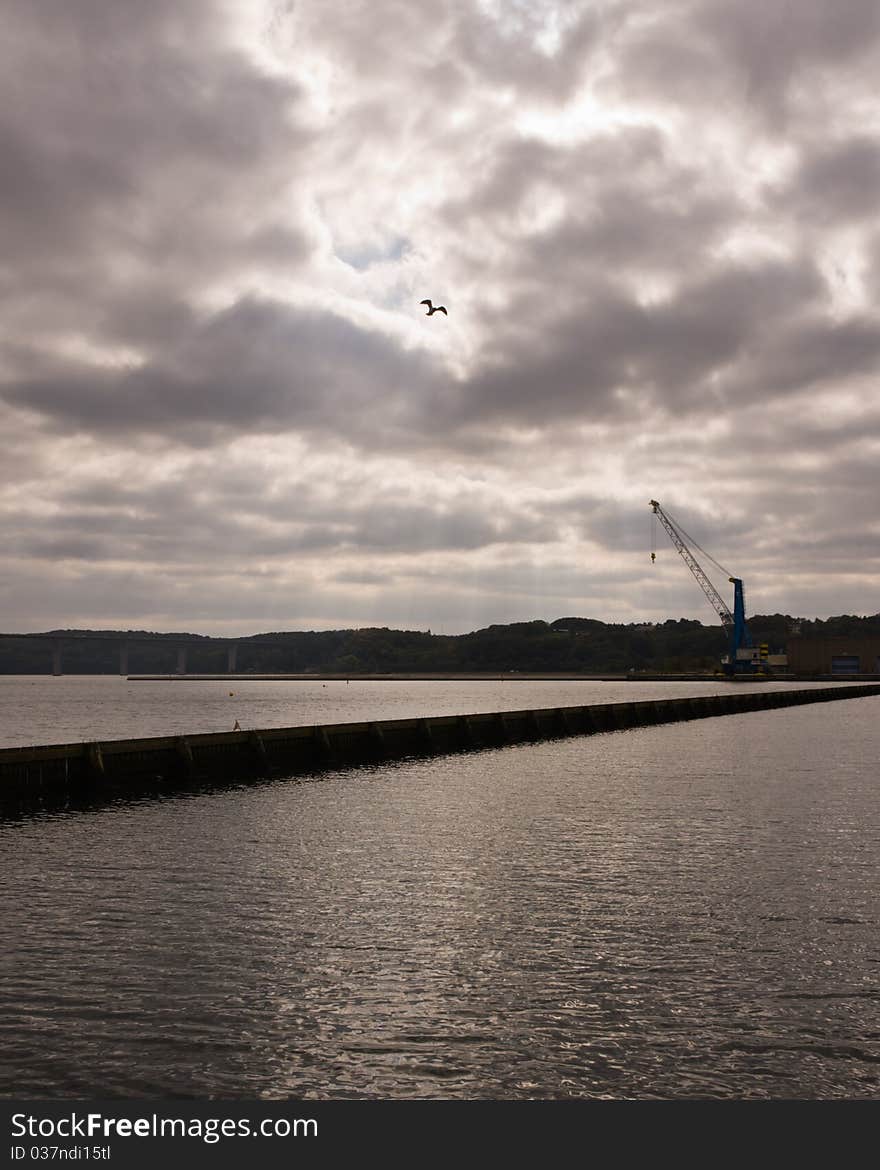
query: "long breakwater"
92, 770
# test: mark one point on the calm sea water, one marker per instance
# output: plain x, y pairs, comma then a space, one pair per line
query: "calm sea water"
41, 709
688, 910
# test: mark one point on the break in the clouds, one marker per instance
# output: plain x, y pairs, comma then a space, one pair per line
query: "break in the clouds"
653, 225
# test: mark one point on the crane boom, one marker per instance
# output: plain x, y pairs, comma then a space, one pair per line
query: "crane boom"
715, 599
739, 660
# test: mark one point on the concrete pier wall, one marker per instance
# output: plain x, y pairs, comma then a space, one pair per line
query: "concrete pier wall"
168, 762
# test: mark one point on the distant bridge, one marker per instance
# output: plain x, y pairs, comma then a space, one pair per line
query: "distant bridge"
181, 642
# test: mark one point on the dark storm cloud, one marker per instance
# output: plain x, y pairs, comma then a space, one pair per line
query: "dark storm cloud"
261, 367
630, 229
255, 367
142, 157
416, 528
771, 42
794, 520
811, 351
61, 548
836, 181
204, 516
121, 139
665, 352
363, 577
630, 528
753, 56
628, 202
795, 433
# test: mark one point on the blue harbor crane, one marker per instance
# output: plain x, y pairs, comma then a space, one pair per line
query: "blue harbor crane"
741, 658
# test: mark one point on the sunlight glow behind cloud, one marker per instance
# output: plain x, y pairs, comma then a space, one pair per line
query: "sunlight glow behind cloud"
223, 408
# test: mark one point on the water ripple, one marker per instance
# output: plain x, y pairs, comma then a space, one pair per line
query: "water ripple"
622, 917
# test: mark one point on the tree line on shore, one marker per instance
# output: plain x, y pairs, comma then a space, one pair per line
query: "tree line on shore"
577, 645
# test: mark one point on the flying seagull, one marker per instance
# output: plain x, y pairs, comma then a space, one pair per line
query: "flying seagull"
434, 309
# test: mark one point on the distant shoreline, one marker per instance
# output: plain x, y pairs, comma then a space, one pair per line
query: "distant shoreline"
451, 676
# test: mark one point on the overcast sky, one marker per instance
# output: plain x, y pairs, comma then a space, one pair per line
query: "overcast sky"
653, 224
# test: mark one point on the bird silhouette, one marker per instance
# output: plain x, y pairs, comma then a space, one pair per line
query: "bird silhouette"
434, 309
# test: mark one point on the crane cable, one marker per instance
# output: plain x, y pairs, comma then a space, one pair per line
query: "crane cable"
691, 540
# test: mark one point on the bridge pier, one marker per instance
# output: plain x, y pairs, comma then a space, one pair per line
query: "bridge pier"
232, 658
181, 659
56, 656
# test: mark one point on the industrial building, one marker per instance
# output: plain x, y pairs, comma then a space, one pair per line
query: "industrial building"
837, 656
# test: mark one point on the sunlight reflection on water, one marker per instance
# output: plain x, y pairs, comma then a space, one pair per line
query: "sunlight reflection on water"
685, 910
